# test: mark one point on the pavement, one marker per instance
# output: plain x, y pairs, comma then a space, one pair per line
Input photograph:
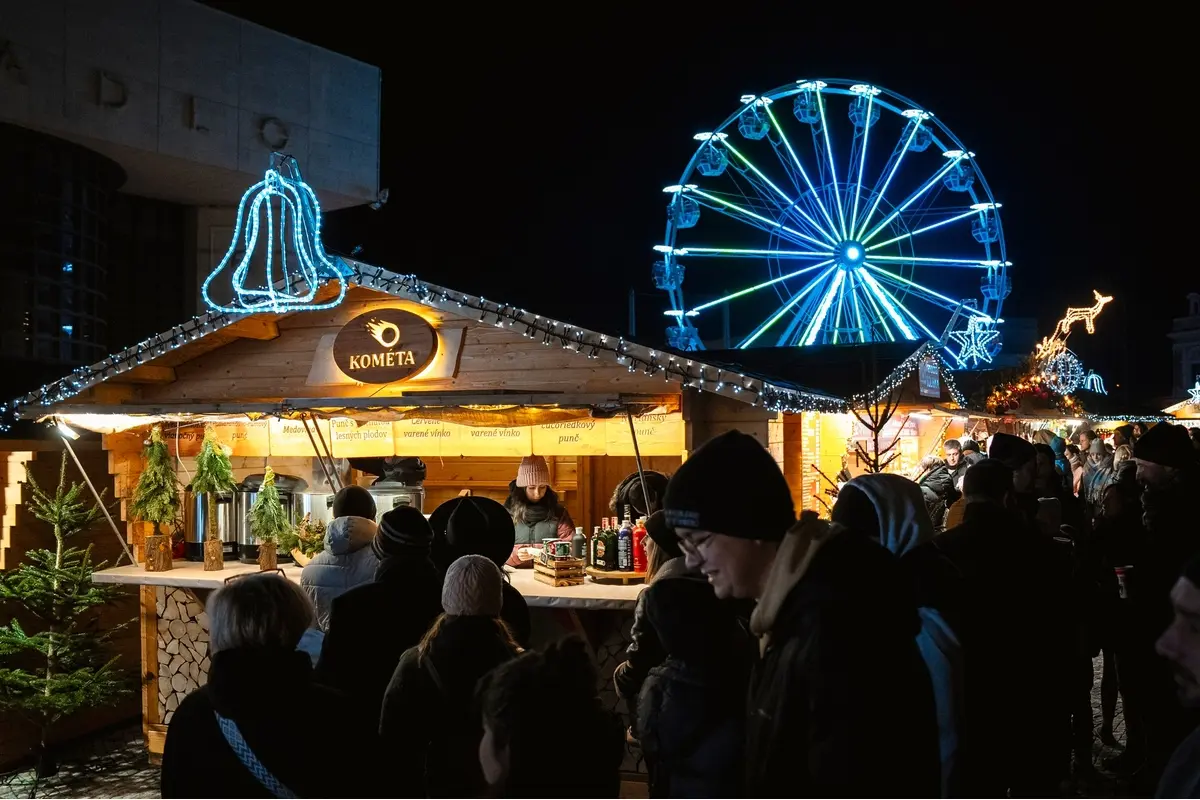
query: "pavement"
114, 764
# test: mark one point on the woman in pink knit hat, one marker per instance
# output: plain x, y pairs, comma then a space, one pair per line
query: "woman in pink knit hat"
536, 511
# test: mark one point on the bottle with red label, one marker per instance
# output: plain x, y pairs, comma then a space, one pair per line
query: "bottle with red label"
639, 546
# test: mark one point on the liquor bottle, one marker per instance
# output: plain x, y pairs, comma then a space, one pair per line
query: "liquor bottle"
578, 543
639, 545
625, 547
610, 547
597, 553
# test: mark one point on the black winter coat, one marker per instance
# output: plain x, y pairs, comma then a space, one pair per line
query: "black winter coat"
515, 613
684, 681
370, 626
937, 489
841, 704
430, 723
282, 714
1007, 594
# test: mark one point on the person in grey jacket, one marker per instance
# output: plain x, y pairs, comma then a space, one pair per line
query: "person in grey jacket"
347, 560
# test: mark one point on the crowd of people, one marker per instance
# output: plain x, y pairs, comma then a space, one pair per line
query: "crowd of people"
933, 638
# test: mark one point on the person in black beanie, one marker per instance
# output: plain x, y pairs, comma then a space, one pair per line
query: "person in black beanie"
820, 721
371, 625
471, 525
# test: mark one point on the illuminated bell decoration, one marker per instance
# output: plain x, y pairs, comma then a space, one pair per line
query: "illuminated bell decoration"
281, 213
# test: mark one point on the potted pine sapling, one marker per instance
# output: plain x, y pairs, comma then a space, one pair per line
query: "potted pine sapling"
156, 500
214, 475
268, 521
65, 666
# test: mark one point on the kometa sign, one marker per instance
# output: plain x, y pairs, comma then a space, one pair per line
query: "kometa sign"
384, 346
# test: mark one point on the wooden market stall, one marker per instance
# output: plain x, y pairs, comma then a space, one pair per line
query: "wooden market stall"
399, 368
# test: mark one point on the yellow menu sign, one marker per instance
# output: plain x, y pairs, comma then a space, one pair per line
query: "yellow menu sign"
352, 439
583, 437
658, 435
288, 437
489, 441
244, 438
426, 437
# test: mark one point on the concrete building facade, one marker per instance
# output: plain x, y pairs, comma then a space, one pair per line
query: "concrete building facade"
131, 129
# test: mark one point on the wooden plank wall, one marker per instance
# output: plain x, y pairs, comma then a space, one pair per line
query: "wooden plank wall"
492, 358
709, 415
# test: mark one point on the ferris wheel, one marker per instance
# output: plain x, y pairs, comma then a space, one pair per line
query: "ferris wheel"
852, 216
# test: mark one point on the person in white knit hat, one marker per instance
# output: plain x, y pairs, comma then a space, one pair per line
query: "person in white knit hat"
536, 511
429, 721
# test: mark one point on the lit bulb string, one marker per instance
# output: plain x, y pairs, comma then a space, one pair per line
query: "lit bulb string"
689, 373
297, 200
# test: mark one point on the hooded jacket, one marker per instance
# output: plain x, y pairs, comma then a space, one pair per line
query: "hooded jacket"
840, 702
937, 489
902, 527
347, 561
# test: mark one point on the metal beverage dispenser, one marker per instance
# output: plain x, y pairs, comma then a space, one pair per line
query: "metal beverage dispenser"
243, 499
195, 529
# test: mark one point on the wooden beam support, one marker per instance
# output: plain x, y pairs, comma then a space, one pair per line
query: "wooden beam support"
256, 327
146, 374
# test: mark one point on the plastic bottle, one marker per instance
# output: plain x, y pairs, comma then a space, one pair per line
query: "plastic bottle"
639, 546
578, 543
625, 545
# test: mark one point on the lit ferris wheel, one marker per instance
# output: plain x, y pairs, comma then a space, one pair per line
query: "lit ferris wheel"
853, 216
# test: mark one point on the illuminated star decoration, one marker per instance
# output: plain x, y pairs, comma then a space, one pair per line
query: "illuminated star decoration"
1195, 393
283, 201
975, 342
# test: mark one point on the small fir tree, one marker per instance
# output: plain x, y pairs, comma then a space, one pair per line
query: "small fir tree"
214, 474
73, 670
156, 498
268, 521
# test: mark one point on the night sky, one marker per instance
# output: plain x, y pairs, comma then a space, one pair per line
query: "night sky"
525, 156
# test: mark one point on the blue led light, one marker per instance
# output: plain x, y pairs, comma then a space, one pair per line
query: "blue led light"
68, 266
975, 343
68, 329
288, 204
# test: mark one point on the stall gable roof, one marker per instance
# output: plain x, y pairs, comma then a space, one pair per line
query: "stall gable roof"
215, 329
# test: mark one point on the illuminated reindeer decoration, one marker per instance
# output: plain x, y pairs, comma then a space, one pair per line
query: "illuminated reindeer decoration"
1088, 315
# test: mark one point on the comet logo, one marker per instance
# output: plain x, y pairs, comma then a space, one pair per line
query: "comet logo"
386, 333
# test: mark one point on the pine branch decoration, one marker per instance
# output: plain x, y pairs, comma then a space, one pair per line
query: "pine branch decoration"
214, 471
267, 519
156, 498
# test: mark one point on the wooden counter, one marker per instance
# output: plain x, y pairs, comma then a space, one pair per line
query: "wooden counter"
191, 575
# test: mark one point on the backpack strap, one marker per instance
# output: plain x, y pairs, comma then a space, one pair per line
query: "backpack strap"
237, 743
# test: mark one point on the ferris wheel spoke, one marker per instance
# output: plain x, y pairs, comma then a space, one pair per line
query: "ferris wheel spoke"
964, 215
837, 316
862, 160
895, 164
858, 322
960, 263
928, 295
889, 304
790, 203
880, 316
725, 206
784, 309
818, 320
730, 252
832, 169
951, 163
756, 287
800, 167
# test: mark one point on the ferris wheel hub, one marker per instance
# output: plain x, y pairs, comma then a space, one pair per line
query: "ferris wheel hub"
850, 254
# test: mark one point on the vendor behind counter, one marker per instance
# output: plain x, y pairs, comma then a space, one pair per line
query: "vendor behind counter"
536, 511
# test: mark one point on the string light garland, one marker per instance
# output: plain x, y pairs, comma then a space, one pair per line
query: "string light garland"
285, 203
687, 372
